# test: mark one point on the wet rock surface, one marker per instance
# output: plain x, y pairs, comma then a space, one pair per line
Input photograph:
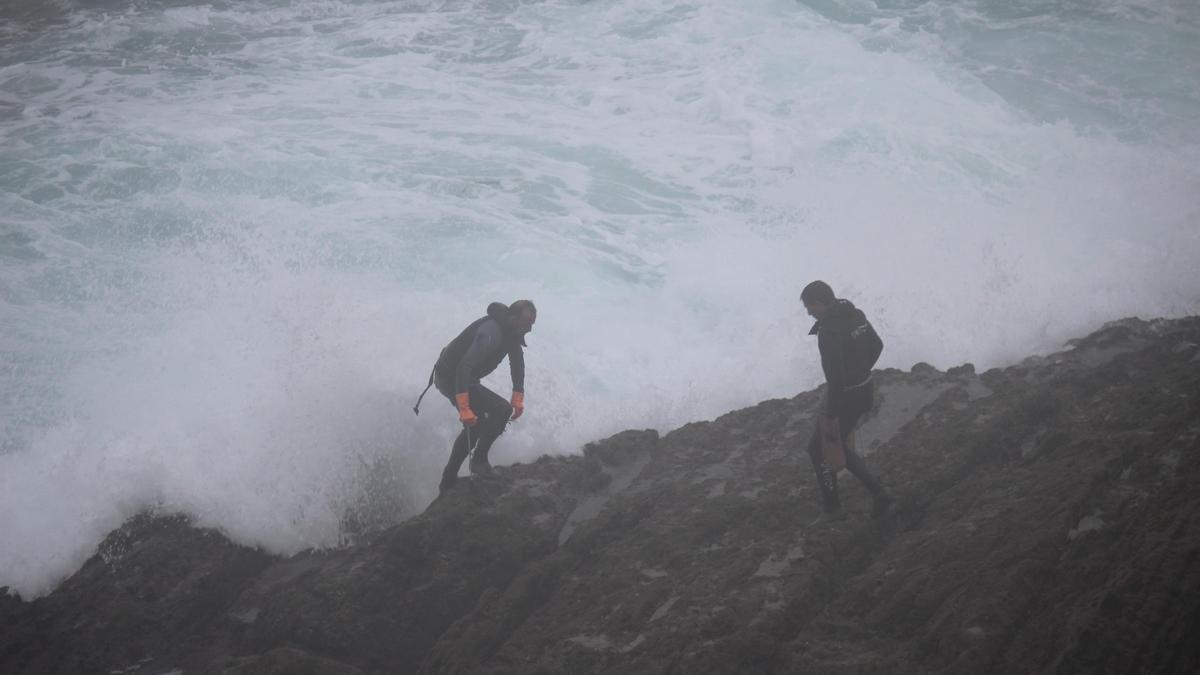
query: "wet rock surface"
1047, 519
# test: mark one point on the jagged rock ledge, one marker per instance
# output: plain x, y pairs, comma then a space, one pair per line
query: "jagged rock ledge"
1047, 520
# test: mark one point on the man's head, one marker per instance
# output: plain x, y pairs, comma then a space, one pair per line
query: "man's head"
522, 314
817, 298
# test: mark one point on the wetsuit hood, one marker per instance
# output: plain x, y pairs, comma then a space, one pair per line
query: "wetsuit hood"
499, 312
840, 311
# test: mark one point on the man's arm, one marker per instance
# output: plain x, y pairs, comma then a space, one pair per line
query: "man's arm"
486, 337
516, 365
833, 362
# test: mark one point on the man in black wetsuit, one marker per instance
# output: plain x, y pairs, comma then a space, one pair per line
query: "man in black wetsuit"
849, 348
474, 354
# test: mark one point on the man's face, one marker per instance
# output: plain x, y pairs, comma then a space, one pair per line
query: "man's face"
815, 308
524, 321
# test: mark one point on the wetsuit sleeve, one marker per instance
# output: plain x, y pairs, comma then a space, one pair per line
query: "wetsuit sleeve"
833, 362
516, 364
486, 339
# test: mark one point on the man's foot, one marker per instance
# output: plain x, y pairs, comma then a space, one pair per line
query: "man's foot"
446, 485
479, 468
882, 506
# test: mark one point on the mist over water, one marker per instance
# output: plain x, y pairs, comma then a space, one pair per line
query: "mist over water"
235, 235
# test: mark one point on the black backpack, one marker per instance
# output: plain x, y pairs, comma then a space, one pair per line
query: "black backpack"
867, 344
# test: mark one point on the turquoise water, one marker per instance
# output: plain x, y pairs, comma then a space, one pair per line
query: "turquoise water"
234, 235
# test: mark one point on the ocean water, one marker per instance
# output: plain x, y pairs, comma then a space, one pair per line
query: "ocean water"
235, 235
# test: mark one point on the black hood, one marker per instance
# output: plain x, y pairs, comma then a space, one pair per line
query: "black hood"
840, 311
499, 312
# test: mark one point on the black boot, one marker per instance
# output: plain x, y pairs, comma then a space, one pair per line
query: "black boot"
489, 431
457, 454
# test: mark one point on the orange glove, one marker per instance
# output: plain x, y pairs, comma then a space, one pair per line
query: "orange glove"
518, 403
465, 414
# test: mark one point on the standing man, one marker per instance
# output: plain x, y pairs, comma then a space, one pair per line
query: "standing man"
849, 348
472, 355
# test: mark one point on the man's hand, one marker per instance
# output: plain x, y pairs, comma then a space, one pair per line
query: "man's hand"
518, 404
465, 414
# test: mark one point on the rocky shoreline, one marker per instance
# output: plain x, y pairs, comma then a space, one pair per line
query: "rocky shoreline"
1047, 520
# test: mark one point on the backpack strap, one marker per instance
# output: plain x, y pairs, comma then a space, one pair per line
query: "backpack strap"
417, 407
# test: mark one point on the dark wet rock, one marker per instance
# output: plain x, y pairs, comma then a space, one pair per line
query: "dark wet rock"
1046, 519
282, 661
1186, 349
155, 594
623, 448
923, 368
964, 369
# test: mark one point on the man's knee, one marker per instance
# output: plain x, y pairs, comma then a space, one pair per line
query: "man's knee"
497, 418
